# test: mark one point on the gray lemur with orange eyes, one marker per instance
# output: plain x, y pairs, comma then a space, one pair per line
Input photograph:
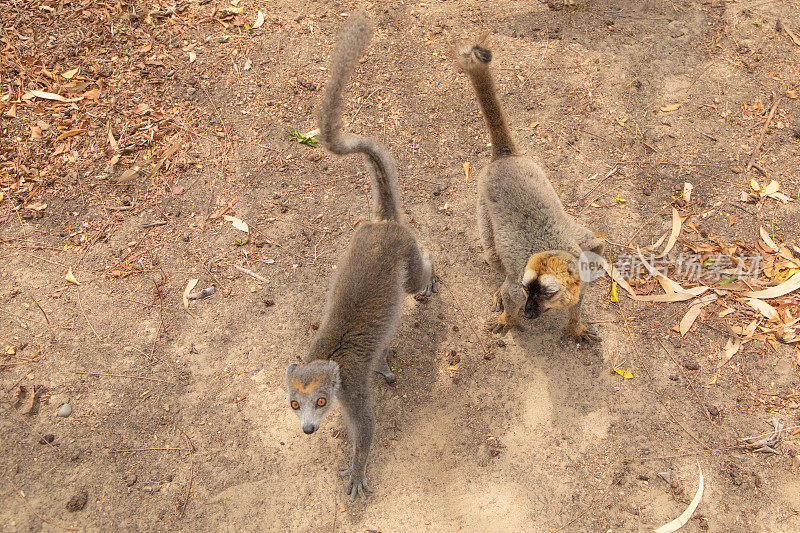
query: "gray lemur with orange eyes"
527, 236
382, 264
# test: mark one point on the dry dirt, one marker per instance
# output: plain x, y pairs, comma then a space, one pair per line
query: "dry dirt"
539, 434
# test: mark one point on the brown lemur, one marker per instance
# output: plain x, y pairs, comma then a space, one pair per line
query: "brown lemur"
381, 265
527, 236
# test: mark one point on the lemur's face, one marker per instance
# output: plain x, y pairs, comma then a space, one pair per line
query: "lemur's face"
552, 280
312, 389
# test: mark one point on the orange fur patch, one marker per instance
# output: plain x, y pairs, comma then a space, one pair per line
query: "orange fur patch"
303, 388
557, 266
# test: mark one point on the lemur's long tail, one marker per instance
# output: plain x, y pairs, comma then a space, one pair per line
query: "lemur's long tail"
474, 60
352, 41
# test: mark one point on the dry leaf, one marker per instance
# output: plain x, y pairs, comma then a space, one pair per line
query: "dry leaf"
259, 20
69, 74
70, 133
129, 175
49, 96
187, 290
656, 244
614, 294
688, 319
791, 285
36, 206
729, 350
192, 57
36, 132
93, 94
767, 240
671, 108
725, 312
762, 307
237, 223
71, 277
687, 191
111, 140
679, 522
791, 93
466, 165
673, 237
624, 373
12, 111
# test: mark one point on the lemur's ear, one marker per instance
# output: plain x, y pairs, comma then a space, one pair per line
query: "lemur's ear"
290, 369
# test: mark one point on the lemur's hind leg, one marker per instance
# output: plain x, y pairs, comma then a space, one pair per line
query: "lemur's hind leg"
420, 277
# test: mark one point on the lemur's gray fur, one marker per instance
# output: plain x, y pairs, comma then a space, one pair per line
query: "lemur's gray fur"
381, 265
527, 236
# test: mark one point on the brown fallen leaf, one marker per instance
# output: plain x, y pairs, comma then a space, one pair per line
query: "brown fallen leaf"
49, 96
93, 94
129, 175
671, 108
11, 112
689, 318
70, 133
791, 93
27, 407
36, 132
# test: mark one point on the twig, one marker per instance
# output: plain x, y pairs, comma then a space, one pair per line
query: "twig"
123, 376
586, 510
150, 450
250, 273
763, 131
43, 519
120, 207
87, 318
688, 382
364, 101
650, 375
487, 354
191, 476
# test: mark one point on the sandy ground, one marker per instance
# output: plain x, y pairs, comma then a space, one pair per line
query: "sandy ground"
533, 433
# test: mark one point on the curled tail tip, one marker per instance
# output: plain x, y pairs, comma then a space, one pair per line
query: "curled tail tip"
474, 56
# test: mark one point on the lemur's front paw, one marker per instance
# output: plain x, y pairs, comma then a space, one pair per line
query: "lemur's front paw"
503, 325
497, 302
583, 334
356, 485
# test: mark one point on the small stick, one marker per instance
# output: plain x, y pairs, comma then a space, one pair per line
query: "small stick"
487, 354
87, 318
250, 273
688, 382
650, 375
120, 207
150, 450
191, 476
123, 376
763, 131
43, 519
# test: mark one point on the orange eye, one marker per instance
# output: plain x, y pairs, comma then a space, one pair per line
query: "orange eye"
321, 402
295, 405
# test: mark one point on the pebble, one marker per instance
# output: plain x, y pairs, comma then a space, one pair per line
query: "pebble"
690, 364
64, 411
130, 479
